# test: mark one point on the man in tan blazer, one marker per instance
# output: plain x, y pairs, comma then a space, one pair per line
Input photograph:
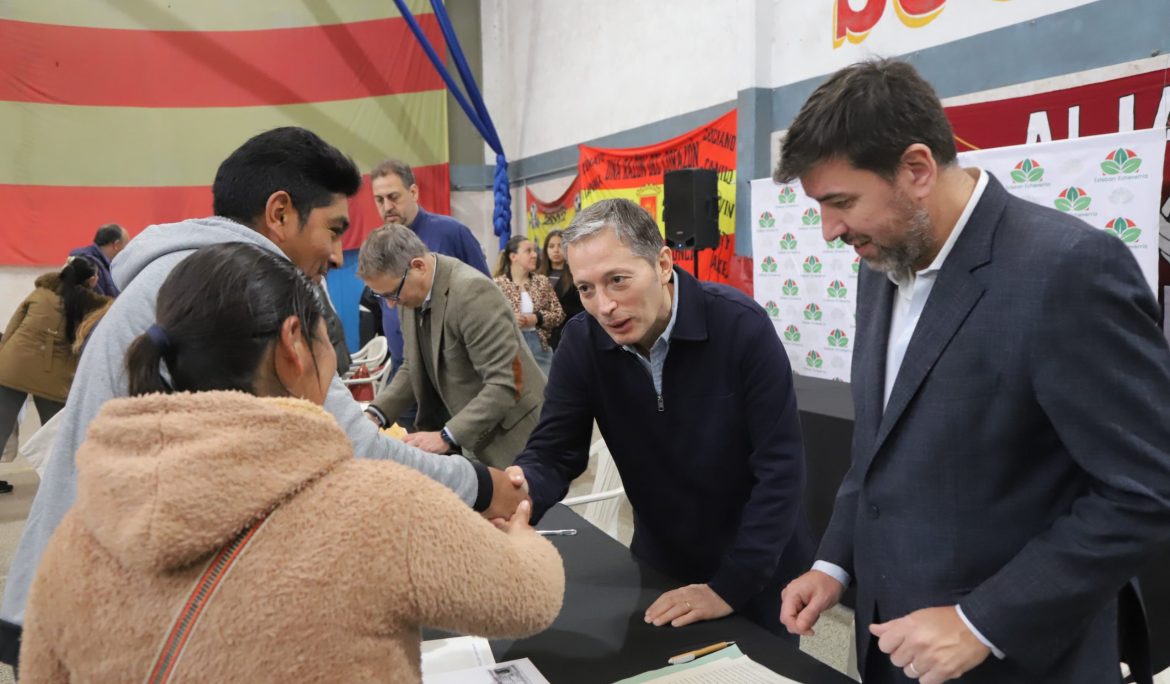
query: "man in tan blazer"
477, 386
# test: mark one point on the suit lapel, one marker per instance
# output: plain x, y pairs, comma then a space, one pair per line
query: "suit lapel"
439, 308
869, 363
952, 298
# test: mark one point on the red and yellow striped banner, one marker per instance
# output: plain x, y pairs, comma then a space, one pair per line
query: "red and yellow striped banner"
123, 114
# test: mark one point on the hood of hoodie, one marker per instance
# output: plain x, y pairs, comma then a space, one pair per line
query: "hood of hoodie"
164, 480
167, 238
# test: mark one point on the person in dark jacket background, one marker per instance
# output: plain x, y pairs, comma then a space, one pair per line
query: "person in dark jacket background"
107, 242
693, 394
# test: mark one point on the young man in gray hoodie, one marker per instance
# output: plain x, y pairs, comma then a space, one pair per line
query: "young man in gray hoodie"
285, 190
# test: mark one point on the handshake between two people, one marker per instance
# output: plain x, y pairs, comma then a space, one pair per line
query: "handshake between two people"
509, 488
511, 507
511, 510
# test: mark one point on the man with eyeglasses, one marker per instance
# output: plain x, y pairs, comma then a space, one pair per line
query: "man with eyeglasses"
396, 198
464, 357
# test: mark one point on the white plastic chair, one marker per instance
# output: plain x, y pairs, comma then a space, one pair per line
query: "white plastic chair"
375, 379
373, 354
601, 506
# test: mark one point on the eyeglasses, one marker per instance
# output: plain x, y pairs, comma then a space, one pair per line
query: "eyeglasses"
397, 293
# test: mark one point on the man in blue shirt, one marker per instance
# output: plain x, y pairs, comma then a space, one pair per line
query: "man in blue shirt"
109, 240
396, 196
693, 394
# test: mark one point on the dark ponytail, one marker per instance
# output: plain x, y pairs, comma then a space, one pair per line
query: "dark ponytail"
143, 362
75, 293
218, 313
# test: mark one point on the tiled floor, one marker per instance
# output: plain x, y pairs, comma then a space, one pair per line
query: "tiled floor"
14, 506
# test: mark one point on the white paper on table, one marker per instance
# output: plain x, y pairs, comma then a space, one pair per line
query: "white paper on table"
741, 670
456, 653
510, 672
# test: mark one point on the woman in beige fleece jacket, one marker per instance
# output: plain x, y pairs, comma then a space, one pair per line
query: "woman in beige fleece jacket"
349, 558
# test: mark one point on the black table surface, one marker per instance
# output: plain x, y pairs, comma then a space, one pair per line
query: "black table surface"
600, 635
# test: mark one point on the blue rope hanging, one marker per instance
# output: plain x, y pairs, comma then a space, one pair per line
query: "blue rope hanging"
476, 110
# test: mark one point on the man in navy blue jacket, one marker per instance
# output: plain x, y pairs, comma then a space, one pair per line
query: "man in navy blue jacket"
693, 394
107, 242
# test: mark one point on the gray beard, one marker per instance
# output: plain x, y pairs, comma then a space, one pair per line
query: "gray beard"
898, 260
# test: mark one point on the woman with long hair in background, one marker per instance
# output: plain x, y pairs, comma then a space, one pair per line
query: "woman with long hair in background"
555, 267
36, 353
535, 304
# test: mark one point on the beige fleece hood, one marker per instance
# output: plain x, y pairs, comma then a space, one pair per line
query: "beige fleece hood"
165, 479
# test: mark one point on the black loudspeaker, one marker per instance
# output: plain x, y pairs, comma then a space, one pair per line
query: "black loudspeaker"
691, 209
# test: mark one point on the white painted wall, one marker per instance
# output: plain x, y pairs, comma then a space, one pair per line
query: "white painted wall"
474, 210
16, 282
560, 73
798, 34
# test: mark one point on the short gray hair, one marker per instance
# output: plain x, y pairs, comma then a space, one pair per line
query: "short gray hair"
389, 251
634, 226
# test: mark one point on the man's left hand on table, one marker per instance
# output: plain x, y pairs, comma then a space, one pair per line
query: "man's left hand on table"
682, 606
932, 645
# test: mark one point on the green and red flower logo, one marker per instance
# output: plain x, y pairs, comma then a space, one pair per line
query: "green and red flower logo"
1124, 229
772, 309
838, 339
767, 220
857, 264
769, 265
787, 195
792, 334
837, 290
1073, 198
811, 217
813, 360
812, 312
790, 288
813, 265
1121, 161
787, 242
835, 243
1028, 171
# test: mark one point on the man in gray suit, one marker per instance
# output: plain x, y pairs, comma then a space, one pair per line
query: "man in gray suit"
477, 386
1011, 453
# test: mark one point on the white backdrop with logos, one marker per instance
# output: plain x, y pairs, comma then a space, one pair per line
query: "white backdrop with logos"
808, 286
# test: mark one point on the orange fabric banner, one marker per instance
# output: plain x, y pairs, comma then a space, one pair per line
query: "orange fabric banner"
636, 174
555, 215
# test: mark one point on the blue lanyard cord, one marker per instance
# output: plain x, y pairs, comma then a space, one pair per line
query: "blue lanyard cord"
478, 115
